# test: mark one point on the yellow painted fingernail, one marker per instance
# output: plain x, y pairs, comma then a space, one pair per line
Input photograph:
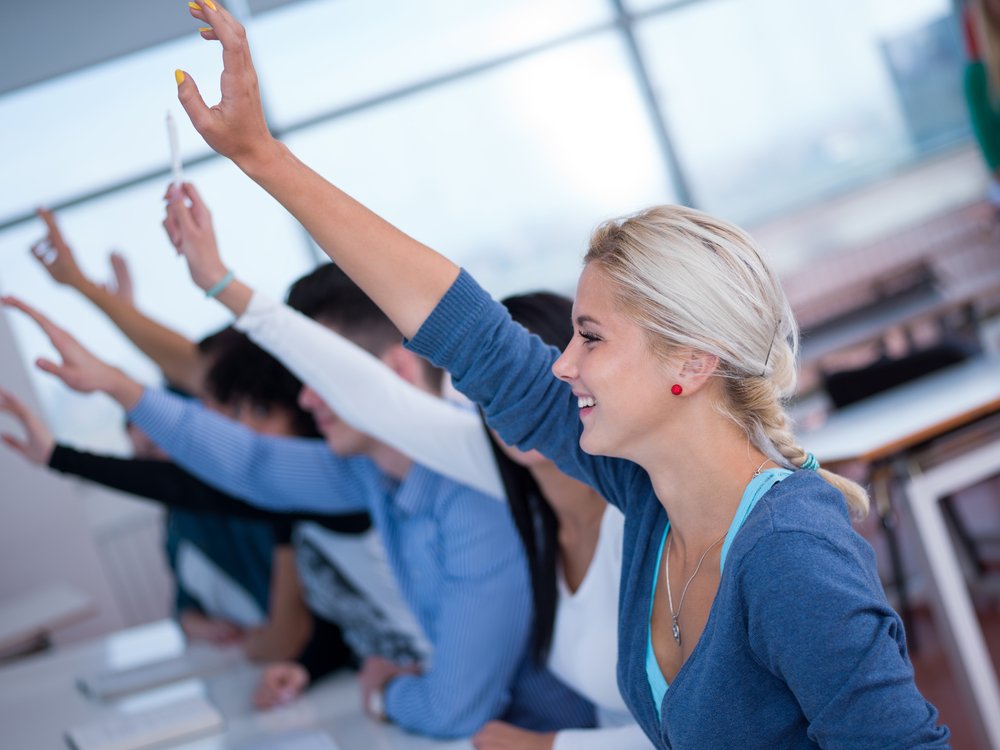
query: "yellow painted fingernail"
204, 28
210, 4
179, 75
194, 6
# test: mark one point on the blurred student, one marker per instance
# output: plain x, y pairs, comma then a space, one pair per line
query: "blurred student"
223, 566
342, 578
454, 551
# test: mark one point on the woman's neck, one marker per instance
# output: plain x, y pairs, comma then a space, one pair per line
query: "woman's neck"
701, 479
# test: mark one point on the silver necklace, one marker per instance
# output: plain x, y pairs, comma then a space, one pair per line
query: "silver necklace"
675, 626
670, 599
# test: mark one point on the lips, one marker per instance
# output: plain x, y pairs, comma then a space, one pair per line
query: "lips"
585, 403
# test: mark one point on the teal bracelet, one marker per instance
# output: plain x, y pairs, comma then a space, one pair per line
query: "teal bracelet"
221, 284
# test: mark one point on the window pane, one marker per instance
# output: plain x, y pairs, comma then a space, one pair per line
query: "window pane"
507, 173
641, 6
257, 239
773, 103
80, 132
316, 56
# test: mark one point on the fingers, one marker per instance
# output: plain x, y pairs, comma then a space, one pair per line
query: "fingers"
179, 216
124, 289
44, 252
119, 266
14, 406
192, 102
50, 328
229, 32
173, 234
47, 365
50, 221
14, 444
199, 209
279, 684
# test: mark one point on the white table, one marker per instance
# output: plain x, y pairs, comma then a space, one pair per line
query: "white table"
39, 699
28, 619
894, 424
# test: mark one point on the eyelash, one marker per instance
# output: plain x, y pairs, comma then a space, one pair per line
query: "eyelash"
589, 338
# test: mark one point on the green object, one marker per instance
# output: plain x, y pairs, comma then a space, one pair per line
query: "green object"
984, 112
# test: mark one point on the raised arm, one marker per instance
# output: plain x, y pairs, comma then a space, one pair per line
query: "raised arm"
176, 356
278, 473
404, 277
363, 390
78, 368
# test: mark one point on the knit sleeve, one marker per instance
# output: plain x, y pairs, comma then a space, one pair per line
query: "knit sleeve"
507, 371
817, 619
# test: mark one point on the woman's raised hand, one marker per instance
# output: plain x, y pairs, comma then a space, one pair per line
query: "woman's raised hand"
188, 224
38, 443
235, 127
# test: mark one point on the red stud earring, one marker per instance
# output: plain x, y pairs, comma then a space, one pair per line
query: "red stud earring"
676, 389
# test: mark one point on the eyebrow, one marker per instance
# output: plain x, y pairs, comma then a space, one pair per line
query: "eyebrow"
586, 319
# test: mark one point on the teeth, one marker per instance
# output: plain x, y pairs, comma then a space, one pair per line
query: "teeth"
585, 401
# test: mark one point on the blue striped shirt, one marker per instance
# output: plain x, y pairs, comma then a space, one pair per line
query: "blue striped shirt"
454, 551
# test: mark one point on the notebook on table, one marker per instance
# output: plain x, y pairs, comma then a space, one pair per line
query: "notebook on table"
180, 720
195, 662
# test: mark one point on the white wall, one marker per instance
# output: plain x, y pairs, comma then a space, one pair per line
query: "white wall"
48, 523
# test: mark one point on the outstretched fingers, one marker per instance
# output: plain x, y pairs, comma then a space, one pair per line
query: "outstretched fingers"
11, 404
50, 328
199, 209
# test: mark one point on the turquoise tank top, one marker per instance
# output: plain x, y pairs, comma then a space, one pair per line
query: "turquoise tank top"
755, 490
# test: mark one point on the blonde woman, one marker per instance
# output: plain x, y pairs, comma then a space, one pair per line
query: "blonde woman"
751, 614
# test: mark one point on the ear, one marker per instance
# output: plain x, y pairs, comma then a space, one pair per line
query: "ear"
404, 363
695, 369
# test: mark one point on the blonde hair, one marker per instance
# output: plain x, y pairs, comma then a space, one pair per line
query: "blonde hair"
694, 281
986, 29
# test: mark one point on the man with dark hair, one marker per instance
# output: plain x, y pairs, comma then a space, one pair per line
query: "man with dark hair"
328, 296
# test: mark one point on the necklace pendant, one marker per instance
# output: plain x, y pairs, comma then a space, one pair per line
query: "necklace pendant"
677, 631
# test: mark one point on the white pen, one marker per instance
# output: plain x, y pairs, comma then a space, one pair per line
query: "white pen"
175, 150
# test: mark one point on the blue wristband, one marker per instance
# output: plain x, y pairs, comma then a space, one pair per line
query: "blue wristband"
221, 284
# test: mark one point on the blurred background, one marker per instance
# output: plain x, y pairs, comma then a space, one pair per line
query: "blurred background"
499, 132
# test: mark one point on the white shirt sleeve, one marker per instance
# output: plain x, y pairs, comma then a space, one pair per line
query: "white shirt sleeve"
369, 396
628, 737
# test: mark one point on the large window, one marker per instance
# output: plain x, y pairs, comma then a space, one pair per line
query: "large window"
776, 103
506, 173
256, 236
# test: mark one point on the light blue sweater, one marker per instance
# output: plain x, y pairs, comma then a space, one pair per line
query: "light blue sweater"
801, 648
